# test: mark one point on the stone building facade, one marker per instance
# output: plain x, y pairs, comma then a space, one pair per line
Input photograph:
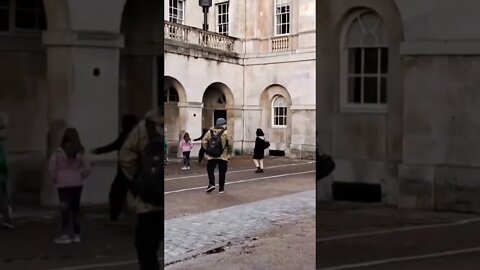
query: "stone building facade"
85, 63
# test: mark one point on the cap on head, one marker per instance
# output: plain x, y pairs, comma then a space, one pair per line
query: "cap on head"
260, 132
221, 122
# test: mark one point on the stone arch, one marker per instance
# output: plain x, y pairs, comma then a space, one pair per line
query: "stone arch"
174, 120
278, 135
218, 102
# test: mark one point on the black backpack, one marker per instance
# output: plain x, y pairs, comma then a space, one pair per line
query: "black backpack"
215, 147
150, 175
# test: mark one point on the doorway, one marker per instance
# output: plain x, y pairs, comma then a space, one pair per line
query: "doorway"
219, 114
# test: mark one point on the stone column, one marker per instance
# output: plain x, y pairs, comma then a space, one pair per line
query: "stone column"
83, 81
190, 117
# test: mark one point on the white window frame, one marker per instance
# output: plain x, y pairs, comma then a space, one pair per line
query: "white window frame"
217, 16
171, 17
277, 3
345, 105
285, 116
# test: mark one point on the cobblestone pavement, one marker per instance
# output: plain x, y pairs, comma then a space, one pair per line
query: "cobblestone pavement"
187, 234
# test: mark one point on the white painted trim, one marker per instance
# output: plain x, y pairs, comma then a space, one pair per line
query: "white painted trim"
345, 106
403, 259
440, 47
239, 171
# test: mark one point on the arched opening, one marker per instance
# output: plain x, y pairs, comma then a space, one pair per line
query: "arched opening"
217, 102
276, 119
141, 64
364, 61
173, 93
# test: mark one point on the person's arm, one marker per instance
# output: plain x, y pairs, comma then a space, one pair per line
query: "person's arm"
129, 154
229, 145
114, 146
205, 140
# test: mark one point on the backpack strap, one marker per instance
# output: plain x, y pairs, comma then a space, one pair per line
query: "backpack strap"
151, 131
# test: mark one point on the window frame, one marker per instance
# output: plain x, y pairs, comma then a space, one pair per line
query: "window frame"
346, 75
275, 14
217, 17
170, 8
168, 95
274, 115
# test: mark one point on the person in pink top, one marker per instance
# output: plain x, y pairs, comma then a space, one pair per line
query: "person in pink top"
186, 146
69, 168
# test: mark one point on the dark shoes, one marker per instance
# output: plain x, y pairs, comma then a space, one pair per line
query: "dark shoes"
259, 170
221, 190
210, 188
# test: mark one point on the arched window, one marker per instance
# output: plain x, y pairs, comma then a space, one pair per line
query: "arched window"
222, 100
171, 95
22, 15
364, 61
279, 111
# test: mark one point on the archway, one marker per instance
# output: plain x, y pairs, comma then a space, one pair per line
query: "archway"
141, 67
173, 94
217, 103
276, 118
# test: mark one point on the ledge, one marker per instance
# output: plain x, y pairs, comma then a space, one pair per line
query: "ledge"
440, 47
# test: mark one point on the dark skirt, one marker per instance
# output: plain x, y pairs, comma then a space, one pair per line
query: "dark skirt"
259, 150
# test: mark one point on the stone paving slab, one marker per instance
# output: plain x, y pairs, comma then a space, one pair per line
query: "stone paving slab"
187, 234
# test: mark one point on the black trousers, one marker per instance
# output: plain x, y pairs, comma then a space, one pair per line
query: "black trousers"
148, 237
186, 158
70, 206
201, 154
222, 170
118, 195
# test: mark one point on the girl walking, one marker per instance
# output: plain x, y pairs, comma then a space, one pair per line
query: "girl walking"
69, 168
259, 150
186, 146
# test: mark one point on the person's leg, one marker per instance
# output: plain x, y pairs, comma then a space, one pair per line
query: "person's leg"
261, 165
188, 159
222, 170
256, 163
76, 195
201, 154
116, 196
148, 234
5, 204
211, 164
64, 195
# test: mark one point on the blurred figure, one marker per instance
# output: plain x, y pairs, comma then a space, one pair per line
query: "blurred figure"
141, 160
118, 189
5, 204
259, 150
186, 146
69, 168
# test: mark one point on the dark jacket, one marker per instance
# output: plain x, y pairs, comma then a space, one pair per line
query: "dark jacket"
259, 149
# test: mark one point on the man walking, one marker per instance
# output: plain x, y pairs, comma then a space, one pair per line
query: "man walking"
141, 160
218, 144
